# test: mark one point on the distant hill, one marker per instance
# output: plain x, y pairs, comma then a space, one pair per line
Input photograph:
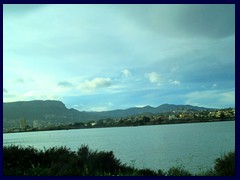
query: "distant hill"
148, 109
56, 111
41, 110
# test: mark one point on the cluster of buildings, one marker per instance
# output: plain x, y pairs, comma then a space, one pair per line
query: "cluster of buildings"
174, 117
24, 126
144, 119
214, 114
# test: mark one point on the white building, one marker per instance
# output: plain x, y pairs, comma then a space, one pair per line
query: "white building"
22, 124
35, 124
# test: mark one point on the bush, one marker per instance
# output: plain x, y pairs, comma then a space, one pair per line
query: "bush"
16, 159
147, 172
61, 161
161, 172
178, 171
225, 165
93, 162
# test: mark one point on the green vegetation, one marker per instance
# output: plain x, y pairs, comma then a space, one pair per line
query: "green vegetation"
53, 115
61, 161
225, 166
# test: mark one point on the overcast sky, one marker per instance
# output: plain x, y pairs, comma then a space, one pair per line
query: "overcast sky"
104, 57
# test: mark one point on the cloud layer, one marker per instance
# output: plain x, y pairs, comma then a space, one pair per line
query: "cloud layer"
118, 56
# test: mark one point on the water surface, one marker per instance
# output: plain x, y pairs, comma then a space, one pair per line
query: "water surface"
194, 146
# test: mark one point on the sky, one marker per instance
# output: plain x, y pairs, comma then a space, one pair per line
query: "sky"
105, 57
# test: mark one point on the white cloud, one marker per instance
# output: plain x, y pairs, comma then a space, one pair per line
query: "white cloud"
110, 104
97, 83
98, 109
154, 77
175, 82
214, 85
35, 94
211, 98
126, 73
141, 105
31, 95
227, 97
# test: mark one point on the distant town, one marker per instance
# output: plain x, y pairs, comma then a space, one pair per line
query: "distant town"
171, 117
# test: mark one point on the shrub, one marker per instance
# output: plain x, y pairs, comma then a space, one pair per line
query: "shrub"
161, 172
178, 171
225, 165
61, 161
16, 159
97, 162
147, 172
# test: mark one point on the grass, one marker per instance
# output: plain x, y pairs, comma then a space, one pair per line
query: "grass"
61, 161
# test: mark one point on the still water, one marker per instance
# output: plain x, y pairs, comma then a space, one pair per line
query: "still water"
193, 146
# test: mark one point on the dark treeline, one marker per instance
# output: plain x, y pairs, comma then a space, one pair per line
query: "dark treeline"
61, 161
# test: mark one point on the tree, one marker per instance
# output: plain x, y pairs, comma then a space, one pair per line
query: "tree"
222, 116
145, 119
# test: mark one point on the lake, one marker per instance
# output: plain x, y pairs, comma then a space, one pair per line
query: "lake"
193, 146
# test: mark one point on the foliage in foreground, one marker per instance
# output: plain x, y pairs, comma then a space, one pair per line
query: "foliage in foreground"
225, 165
61, 161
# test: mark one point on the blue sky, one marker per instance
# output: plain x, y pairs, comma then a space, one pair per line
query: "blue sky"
104, 57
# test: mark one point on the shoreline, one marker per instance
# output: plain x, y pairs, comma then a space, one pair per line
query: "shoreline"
167, 123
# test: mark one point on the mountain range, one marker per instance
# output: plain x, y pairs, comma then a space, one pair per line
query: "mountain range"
55, 111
